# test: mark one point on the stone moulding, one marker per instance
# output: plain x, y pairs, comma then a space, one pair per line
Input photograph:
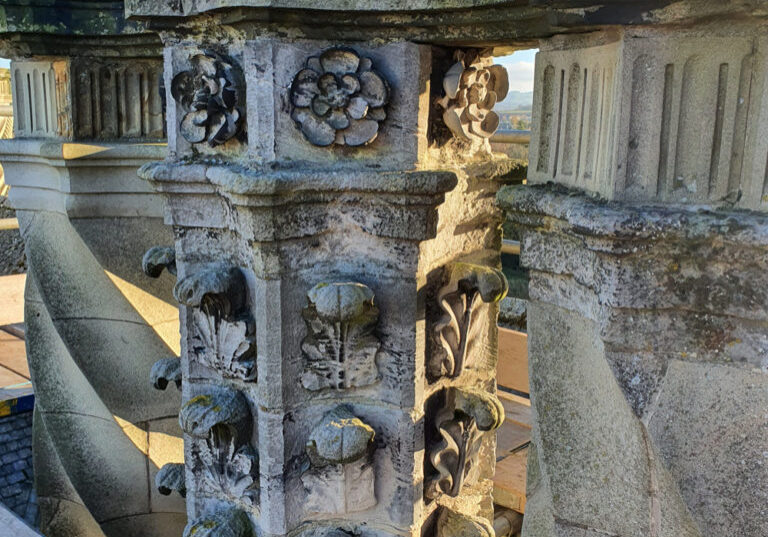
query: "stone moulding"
458, 425
171, 477
466, 285
227, 522
224, 336
473, 86
341, 477
165, 371
211, 94
340, 349
338, 98
158, 258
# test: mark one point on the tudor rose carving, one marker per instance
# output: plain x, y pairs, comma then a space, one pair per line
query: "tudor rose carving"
459, 298
339, 98
340, 348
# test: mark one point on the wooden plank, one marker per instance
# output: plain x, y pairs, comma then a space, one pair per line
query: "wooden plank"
12, 296
511, 436
516, 409
509, 481
512, 368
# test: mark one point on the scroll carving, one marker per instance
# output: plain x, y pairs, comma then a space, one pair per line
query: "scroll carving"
340, 349
211, 94
222, 406
339, 98
341, 478
473, 86
466, 286
223, 523
165, 371
459, 423
158, 258
171, 477
224, 335
453, 524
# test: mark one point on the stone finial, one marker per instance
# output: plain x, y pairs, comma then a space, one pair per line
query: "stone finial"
224, 523
171, 477
473, 86
158, 258
164, 371
453, 524
210, 93
339, 98
458, 298
340, 349
459, 423
341, 478
221, 406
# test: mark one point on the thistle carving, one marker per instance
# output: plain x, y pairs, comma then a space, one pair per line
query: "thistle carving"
229, 522
158, 258
340, 348
339, 98
341, 477
473, 86
224, 335
467, 285
462, 417
210, 94
171, 477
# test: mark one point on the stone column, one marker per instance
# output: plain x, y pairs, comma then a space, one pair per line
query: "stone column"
647, 322
337, 255
86, 120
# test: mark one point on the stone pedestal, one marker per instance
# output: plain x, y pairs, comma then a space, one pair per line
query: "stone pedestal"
647, 321
339, 278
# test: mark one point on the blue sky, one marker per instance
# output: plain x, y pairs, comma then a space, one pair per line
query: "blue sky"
5, 63
520, 68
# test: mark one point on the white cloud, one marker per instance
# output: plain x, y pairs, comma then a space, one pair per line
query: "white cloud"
520, 75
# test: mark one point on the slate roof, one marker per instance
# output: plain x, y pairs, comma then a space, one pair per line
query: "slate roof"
17, 491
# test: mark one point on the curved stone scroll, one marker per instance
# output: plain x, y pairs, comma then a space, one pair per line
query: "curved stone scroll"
222, 406
340, 349
464, 414
341, 477
165, 371
458, 298
223, 523
171, 477
224, 336
158, 258
453, 524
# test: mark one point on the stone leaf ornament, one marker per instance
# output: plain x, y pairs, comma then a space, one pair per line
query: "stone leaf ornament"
340, 348
171, 477
224, 335
467, 285
340, 478
473, 85
453, 524
222, 406
158, 258
339, 98
165, 371
210, 94
459, 423
228, 522
226, 469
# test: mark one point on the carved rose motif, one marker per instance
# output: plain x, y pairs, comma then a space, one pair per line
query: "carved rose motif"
339, 98
209, 93
473, 86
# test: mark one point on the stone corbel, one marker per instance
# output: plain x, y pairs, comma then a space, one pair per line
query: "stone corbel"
171, 477
165, 371
466, 285
341, 346
222, 523
458, 426
341, 477
158, 258
224, 336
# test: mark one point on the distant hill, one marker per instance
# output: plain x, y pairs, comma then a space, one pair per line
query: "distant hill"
516, 100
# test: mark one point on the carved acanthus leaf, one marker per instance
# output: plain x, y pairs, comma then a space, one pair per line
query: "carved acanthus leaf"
466, 285
473, 86
164, 371
224, 523
458, 425
341, 346
220, 406
226, 469
171, 477
158, 258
